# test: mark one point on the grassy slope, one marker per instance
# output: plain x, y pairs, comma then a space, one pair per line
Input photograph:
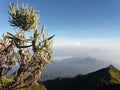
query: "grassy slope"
115, 75
25, 86
34, 87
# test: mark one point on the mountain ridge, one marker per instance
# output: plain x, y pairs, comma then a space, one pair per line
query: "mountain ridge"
104, 79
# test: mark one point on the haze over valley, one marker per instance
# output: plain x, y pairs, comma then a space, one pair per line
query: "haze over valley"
72, 61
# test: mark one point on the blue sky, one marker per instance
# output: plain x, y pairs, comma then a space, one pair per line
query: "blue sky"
74, 22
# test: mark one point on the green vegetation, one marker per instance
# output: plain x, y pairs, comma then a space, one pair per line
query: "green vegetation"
26, 86
115, 75
29, 53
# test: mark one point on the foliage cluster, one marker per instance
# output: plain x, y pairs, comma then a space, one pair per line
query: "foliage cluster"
28, 53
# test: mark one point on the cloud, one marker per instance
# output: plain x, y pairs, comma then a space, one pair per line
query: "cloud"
76, 43
106, 42
61, 58
91, 42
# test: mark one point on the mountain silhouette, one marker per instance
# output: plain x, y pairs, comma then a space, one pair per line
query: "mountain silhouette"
104, 79
72, 67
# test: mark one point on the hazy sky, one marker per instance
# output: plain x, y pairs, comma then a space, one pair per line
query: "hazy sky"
74, 22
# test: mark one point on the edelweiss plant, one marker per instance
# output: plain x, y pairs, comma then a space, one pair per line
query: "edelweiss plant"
27, 56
